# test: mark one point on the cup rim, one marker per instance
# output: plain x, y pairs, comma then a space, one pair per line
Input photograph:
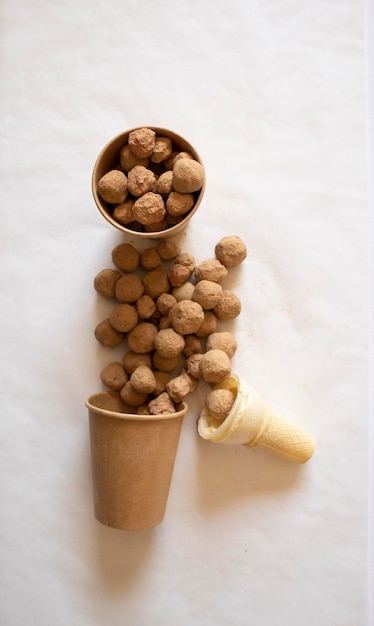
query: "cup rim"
168, 232
89, 402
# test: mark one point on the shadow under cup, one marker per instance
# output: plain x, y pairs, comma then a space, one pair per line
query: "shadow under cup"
132, 460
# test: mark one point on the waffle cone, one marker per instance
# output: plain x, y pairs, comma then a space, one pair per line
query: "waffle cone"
282, 437
252, 422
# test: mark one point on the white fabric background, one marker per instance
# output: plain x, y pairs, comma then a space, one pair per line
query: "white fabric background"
273, 96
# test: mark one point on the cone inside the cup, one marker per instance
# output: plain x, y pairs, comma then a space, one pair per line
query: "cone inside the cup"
108, 159
132, 462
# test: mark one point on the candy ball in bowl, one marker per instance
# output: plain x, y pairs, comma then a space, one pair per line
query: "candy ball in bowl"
148, 181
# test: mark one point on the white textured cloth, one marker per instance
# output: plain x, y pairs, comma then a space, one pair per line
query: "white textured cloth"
272, 95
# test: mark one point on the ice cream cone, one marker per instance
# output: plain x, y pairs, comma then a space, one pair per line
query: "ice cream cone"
132, 462
252, 422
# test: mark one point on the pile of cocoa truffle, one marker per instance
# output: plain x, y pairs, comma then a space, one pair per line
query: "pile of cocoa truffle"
154, 185
166, 311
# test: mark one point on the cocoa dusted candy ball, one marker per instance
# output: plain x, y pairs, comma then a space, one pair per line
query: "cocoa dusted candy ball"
142, 142
141, 338
188, 175
108, 336
140, 180
112, 187
215, 365
168, 343
211, 269
132, 360
219, 403
162, 150
186, 317
126, 257
128, 159
162, 405
231, 250
222, 340
228, 307
105, 282
207, 293
143, 380
124, 318
114, 376
149, 208
129, 288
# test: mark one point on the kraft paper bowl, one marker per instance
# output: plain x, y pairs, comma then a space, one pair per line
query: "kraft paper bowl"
109, 159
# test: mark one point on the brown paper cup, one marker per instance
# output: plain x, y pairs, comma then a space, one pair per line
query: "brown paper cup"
109, 159
132, 462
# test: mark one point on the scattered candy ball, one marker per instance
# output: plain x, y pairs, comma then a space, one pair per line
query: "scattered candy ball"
129, 288
125, 257
214, 366
166, 310
211, 269
161, 405
207, 293
132, 397
208, 325
132, 360
231, 251
168, 343
124, 318
186, 317
141, 338
223, 340
114, 376
108, 336
143, 380
228, 307
105, 282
